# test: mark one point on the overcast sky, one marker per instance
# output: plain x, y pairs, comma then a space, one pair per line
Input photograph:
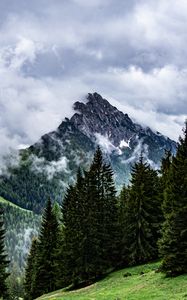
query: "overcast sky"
53, 52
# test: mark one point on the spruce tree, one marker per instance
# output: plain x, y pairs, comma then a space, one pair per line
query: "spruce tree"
143, 213
3, 260
110, 227
90, 223
122, 220
71, 246
173, 245
103, 216
164, 180
46, 254
30, 271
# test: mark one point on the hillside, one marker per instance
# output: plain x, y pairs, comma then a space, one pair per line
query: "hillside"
143, 284
21, 225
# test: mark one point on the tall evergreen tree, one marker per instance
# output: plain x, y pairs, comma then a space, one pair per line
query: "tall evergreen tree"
143, 213
46, 254
30, 271
90, 223
3, 260
164, 180
173, 245
123, 205
110, 226
71, 246
103, 216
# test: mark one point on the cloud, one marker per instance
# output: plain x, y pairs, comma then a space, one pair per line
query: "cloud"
53, 54
40, 165
105, 143
140, 149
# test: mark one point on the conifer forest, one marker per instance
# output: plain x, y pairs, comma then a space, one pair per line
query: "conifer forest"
97, 229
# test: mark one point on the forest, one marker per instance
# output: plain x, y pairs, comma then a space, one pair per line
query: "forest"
96, 230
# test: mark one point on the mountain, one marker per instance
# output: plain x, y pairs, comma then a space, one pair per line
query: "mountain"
46, 168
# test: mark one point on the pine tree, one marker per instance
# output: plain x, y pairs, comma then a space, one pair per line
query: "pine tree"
46, 256
173, 245
165, 181
122, 220
30, 271
71, 245
90, 223
143, 213
3, 260
103, 216
110, 226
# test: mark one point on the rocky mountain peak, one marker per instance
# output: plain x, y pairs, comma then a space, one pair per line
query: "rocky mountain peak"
51, 164
95, 103
97, 115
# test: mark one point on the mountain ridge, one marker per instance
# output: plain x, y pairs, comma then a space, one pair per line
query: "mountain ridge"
96, 115
48, 166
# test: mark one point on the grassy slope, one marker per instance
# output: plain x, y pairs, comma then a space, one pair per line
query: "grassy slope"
148, 286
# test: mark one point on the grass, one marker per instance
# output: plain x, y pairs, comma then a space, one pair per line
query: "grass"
144, 283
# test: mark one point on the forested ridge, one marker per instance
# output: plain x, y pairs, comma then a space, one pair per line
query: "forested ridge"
96, 231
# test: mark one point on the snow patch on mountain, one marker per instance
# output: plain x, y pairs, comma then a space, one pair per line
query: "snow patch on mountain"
105, 143
124, 144
136, 153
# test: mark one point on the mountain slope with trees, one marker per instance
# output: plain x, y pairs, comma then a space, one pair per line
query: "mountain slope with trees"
173, 245
101, 232
45, 169
3, 259
21, 225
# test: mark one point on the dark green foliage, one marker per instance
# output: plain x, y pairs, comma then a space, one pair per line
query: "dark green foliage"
3, 260
71, 245
45, 272
103, 213
25, 185
90, 224
173, 245
30, 271
109, 227
165, 181
15, 284
142, 215
123, 205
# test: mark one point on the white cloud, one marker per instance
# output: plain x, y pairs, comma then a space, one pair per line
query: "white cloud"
135, 155
40, 165
92, 3
106, 144
132, 52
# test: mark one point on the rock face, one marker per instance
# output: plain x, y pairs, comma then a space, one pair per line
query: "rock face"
97, 122
99, 116
58, 154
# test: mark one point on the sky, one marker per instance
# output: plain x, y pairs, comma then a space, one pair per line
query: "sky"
54, 52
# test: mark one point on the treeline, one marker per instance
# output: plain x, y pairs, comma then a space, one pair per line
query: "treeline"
97, 231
